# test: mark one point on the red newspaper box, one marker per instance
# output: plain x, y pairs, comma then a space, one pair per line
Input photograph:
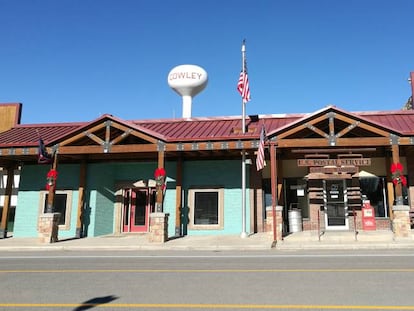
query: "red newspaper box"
368, 216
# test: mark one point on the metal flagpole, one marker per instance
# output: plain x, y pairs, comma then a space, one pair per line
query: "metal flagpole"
243, 233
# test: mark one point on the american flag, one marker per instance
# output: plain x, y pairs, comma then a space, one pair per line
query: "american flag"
43, 156
243, 86
260, 160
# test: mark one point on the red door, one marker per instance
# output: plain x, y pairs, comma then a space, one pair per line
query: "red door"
136, 210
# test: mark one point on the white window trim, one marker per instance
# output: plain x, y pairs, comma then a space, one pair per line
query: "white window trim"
68, 213
191, 198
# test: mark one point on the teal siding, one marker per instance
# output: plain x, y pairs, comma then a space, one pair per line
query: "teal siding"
27, 213
226, 174
169, 207
32, 181
100, 193
101, 184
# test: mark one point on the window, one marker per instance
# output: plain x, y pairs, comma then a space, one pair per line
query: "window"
375, 190
63, 205
296, 193
206, 208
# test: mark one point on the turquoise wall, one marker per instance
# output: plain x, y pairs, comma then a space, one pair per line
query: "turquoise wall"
226, 173
32, 181
100, 193
101, 184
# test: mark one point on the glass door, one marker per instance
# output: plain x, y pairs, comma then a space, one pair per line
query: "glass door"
335, 204
136, 209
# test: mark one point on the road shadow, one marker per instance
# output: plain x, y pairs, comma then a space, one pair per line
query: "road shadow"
95, 302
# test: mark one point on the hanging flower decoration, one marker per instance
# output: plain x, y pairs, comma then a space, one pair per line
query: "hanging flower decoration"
159, 175
397, 174
51, 178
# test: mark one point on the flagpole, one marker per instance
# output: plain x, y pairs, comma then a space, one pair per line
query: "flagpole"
243, 233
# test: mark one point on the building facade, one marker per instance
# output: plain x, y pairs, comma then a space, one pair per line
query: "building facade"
323, 168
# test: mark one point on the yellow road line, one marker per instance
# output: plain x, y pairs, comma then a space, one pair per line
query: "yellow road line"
204, 306
205, 270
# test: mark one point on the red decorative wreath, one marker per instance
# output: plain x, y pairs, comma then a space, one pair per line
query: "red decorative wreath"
159, 175
51, 178
397, 174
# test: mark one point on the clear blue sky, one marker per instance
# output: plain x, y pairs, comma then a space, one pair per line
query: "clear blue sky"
74, 60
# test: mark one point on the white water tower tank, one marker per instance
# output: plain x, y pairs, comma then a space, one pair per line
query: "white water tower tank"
187, 81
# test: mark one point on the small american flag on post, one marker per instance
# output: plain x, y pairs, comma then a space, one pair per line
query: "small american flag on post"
43, 157
260, 159
243, 86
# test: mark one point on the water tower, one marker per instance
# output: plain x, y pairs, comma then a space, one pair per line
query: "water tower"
187, 81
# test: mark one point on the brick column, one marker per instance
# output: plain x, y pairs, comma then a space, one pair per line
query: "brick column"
48, 227
158, 228
279, 221
401, 221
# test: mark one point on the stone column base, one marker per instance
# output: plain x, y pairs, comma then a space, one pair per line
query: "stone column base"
279, 222
48, 227
401, 226
158, 228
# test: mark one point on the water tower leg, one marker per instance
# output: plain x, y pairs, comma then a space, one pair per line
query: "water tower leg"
187, 101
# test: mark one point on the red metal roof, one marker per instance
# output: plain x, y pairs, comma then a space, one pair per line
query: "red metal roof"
28, 135
198, 129
400, 120
224, 128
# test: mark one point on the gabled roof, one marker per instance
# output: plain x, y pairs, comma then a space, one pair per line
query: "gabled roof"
370, 119
108, 127
203, 129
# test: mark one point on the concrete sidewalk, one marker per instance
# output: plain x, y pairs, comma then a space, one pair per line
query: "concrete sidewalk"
344, 240
260, 241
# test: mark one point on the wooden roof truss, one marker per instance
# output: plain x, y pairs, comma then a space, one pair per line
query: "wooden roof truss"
334, 129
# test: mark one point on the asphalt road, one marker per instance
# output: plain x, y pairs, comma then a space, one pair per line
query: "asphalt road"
334, 280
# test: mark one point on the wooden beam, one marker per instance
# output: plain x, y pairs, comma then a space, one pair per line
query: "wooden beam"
169, 147
81, 200
364, 125
178, 196
7, 152
342, 142
107, 131
349, 128
316, 130
273, 183
396, 159
390, 186
300, 127
82, 134
95, 138
120, 138
52, 190
7, 202
100, 149
135, 133
160, 190
331, 117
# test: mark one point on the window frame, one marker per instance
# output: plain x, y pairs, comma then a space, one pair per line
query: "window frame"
220, 212
68, 211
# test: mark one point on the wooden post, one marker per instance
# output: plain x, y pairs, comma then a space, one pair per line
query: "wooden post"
178, 200
398, 187
7, 202
273, 178
390, 187
160, 194
52, 188
81, 200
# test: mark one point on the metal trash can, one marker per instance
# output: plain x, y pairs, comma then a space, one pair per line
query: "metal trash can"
295, 220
